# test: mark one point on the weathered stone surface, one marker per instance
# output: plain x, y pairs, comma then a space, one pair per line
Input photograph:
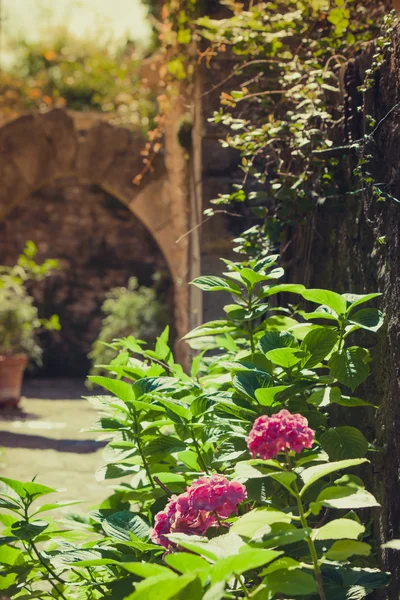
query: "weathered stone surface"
23, 142
59, 130
356, 248
38, 149
99, 244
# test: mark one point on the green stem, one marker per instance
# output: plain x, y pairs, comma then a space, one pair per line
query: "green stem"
240, 582
49, 570
250, 325
341, 337
142, 455
198, 451
309, 540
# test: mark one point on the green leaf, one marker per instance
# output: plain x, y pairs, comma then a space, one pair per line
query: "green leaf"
211, 328
368, 318
325, 396
245, 560
25, 530
252, 277
356, 300
349, 366
313, 474
318, 343
352, 402
285, 357
248, 382
164, 444
277, 339
122, 524
251, 522
216, 592
123, 391
339, 529
218, 547
280, 534
266, 396
183, 562
321, 313
56, 505
9, 554
343, 549
216, 284
392, 545
177, 409
30, 489
170, 584
290, 583
344, 442
327, 298
344, 497
293, 288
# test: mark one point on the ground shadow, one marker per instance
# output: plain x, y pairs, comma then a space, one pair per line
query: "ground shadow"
37, 442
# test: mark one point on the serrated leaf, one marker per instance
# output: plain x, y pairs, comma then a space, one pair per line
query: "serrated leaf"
319, 343
267, 396
367, 318
349, 366
343, 549
326, 298
121, 525
344, 442
285, 357
313, 474
245, 560
14, 489
248, 382
292, 288
339, 529
291, 583
216, 284
357, 299
251, 522
123, 391
277, 339
325, 396
164, 444
342, 497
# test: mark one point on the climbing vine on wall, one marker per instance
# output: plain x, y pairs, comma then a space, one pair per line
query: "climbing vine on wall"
281, 102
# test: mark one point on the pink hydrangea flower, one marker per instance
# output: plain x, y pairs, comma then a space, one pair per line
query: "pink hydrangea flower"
179, 516
203, 505
216, 494
271, 435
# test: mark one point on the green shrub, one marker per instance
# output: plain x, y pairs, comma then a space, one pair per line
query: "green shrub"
19, 318
210, 508
131, 310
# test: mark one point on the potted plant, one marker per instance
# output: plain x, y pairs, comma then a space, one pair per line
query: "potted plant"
19, 321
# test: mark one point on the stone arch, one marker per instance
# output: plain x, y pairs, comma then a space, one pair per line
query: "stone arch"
37, 149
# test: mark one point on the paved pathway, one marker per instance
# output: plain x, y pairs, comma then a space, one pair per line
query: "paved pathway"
42, 437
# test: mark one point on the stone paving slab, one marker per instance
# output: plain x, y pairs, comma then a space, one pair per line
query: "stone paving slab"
41, 437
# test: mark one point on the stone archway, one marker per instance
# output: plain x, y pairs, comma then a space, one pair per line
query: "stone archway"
37, 149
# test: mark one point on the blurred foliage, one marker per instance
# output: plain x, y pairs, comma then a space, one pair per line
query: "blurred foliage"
19, 317
84, 75
279, 70
132, 310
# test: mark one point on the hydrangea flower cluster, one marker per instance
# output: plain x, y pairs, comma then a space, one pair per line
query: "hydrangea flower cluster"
205, 502
271, 435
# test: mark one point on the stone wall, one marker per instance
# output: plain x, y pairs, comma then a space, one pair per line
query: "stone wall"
99, 244
355, 247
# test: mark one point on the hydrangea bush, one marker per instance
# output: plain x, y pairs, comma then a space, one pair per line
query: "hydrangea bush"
233, 481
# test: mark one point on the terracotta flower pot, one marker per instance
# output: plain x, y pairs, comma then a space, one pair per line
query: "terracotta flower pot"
11, 373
